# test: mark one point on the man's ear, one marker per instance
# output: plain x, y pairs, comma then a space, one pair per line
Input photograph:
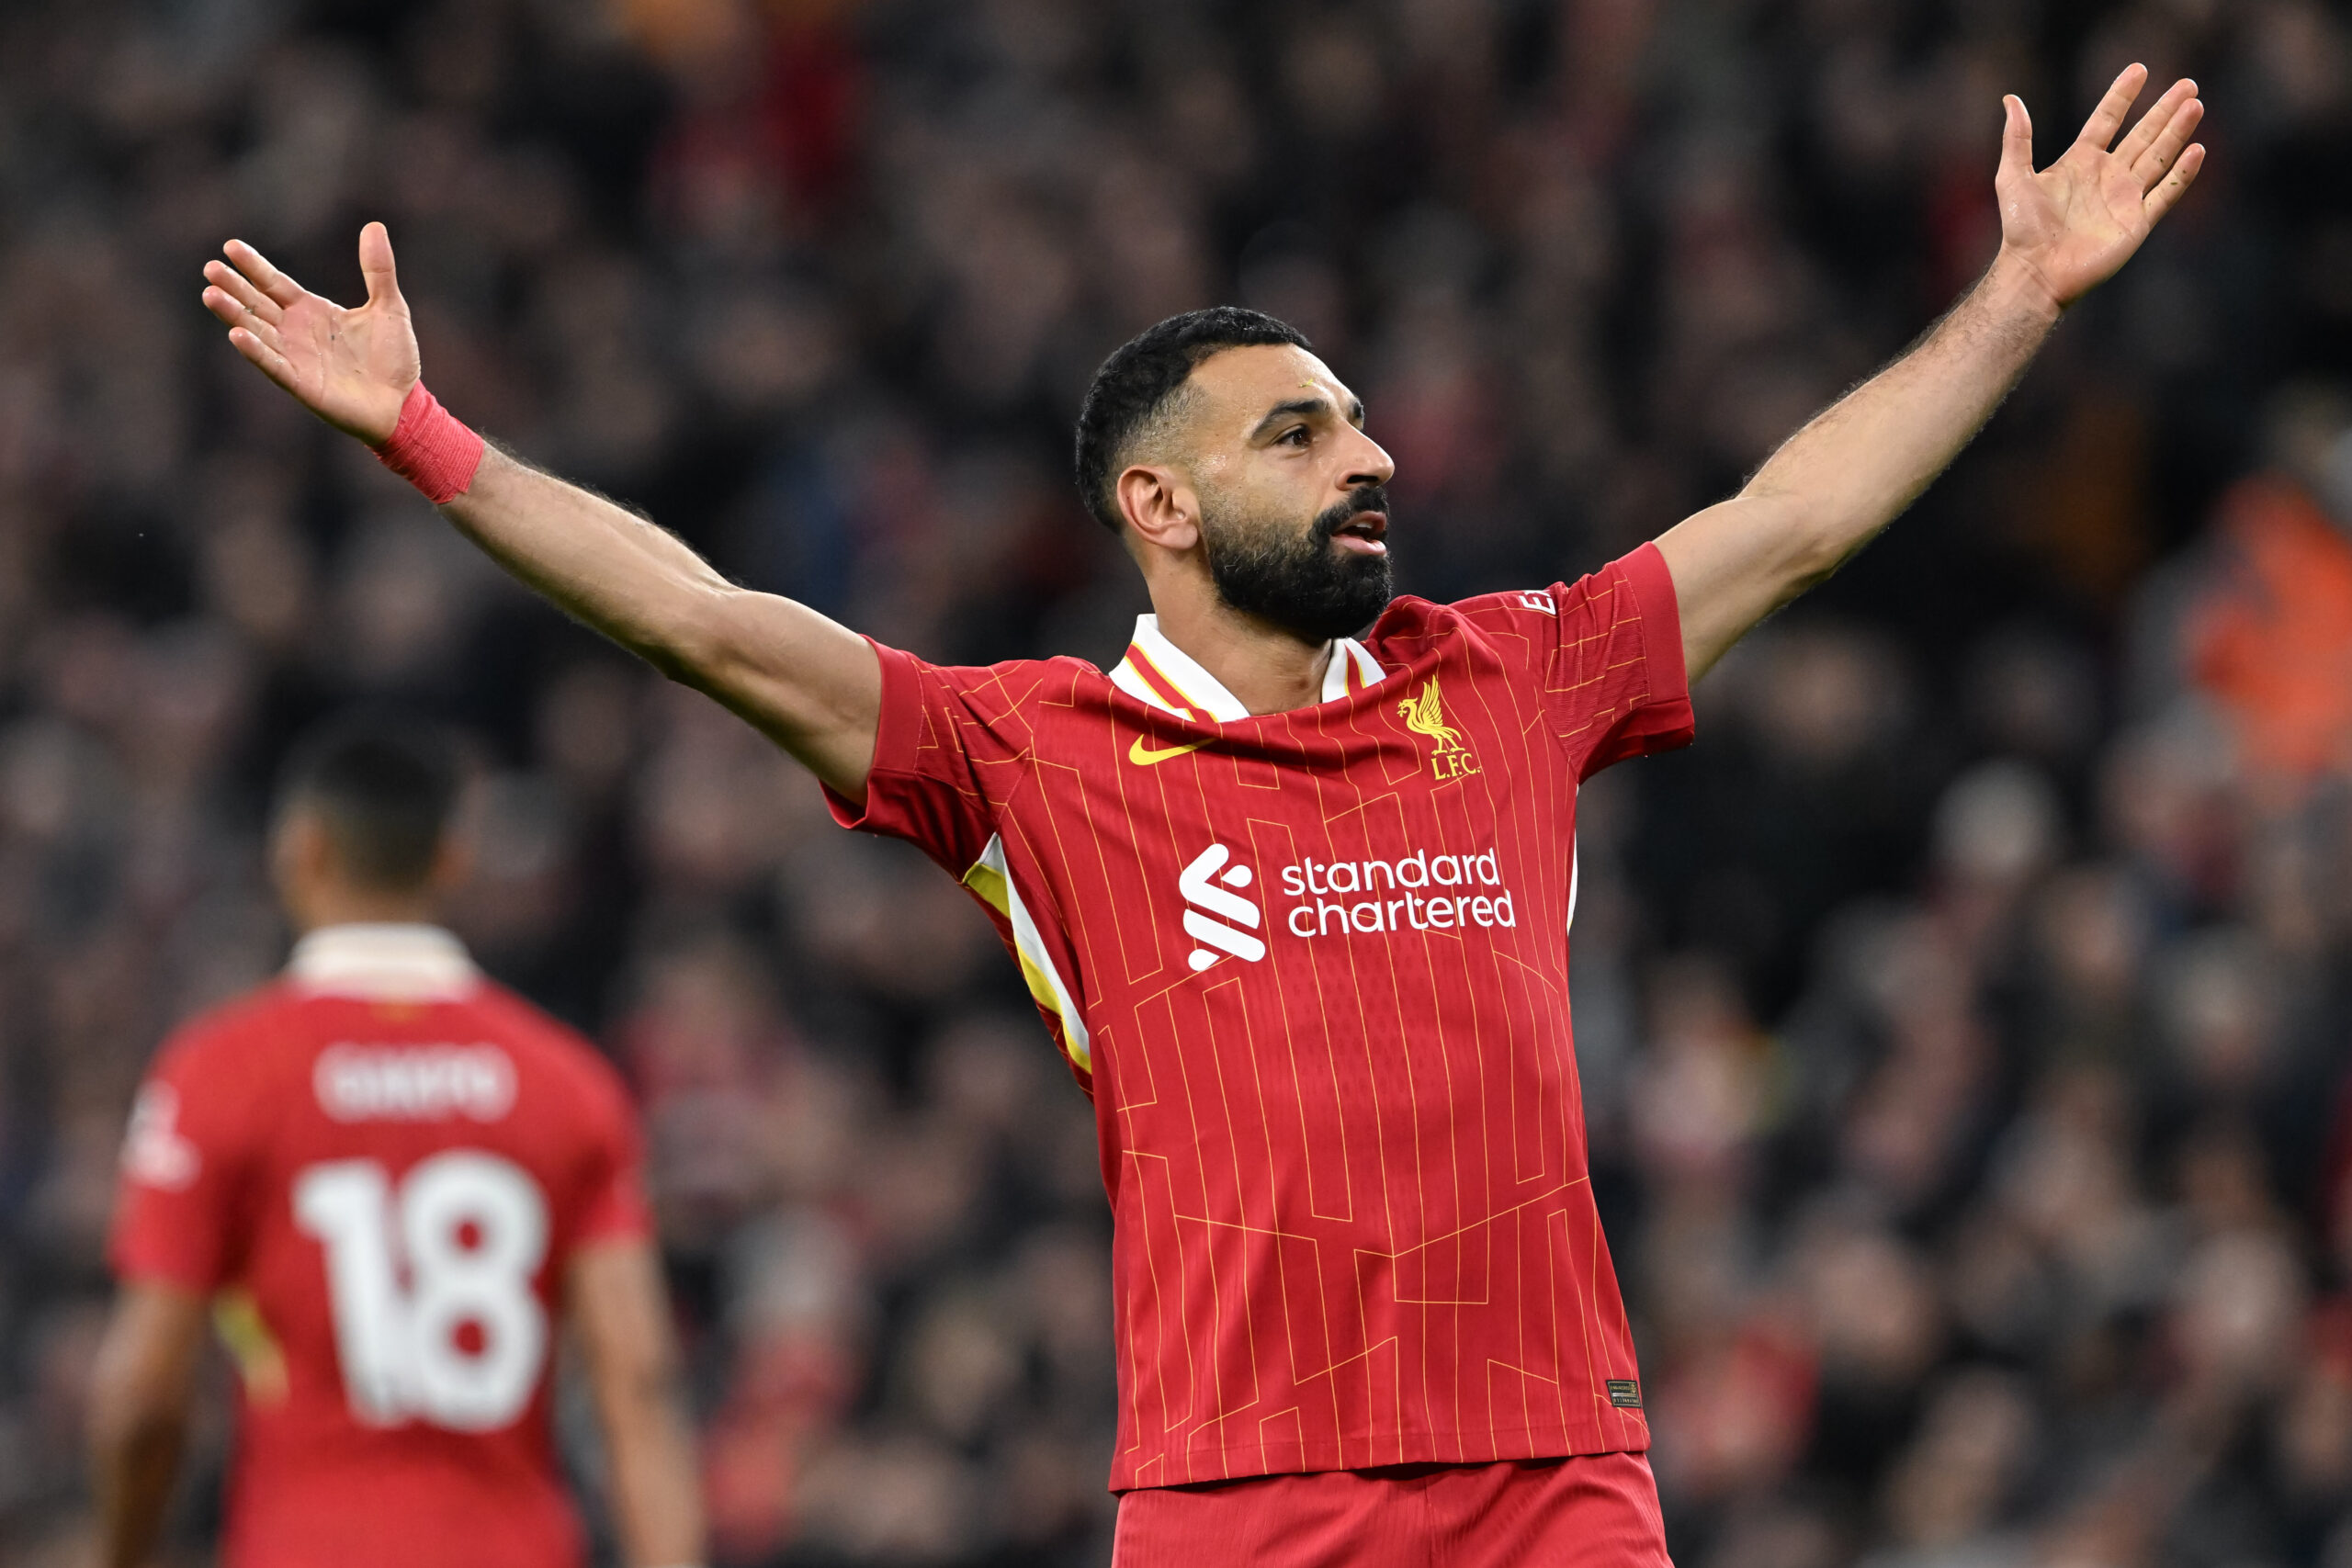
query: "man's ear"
1160, 506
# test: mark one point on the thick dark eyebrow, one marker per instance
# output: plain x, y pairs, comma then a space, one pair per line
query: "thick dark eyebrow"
1306, 406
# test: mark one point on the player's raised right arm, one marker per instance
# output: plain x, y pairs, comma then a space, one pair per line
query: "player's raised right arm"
1862, 461
809, 683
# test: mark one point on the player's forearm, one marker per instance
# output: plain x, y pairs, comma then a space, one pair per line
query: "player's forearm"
139, 1389
628, 578
133, 1456
622, 1317
1858, 466
656, 1502
1855, 468
811, 685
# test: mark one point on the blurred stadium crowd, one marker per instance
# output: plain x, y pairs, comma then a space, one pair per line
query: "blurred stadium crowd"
1964, 1021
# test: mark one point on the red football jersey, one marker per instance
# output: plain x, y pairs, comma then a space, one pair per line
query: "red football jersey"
379, 1166
1312, 968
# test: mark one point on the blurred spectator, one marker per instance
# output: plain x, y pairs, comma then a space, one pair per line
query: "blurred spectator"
2272, 640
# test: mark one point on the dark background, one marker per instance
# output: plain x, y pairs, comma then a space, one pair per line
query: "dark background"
1962, 1019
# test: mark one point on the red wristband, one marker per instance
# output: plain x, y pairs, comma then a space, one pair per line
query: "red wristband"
431, 449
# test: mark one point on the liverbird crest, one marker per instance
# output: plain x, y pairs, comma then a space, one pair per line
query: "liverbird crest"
1424, 713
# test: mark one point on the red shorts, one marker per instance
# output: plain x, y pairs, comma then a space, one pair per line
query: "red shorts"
1596, 1511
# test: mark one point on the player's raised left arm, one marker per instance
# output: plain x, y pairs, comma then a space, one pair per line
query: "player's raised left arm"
1858, 465
139, 1399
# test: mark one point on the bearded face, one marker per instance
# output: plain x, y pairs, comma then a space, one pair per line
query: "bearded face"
1299, 581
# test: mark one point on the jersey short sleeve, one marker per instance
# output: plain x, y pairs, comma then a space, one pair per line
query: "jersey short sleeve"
185, 1160
1607, 649
952, 745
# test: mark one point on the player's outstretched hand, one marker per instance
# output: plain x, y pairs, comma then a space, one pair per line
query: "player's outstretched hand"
352, 368
2077, 222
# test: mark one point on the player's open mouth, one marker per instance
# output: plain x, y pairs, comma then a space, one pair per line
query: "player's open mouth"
1366, 534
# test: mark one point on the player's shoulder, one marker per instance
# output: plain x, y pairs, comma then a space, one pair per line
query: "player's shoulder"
513, 1019
230, 1065
1013, 680
1516, 609
551, 1049
243, 1028
1411, 627
1011, 697
1518, 612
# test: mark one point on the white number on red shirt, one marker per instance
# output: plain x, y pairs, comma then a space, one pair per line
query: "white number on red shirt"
461, 1342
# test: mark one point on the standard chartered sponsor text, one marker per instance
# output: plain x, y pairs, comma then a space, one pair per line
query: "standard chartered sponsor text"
1416, 892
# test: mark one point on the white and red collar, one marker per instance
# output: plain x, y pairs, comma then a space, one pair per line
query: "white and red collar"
1157, 672
383, 963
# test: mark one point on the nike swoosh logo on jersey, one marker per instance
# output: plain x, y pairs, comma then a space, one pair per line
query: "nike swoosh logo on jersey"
1142, 756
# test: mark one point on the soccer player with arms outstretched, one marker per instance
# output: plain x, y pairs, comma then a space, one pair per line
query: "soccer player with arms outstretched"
1290, 885
389, 1182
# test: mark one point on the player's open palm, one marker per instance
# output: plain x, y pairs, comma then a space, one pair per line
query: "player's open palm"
2078, 221
352, 368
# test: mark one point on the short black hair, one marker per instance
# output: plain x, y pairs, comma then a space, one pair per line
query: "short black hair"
1136, 383
384, 786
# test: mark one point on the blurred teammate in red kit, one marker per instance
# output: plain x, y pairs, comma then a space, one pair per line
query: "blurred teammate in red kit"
391, 1183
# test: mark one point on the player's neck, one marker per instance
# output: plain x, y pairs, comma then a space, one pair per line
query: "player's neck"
1266, 669
357, 906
